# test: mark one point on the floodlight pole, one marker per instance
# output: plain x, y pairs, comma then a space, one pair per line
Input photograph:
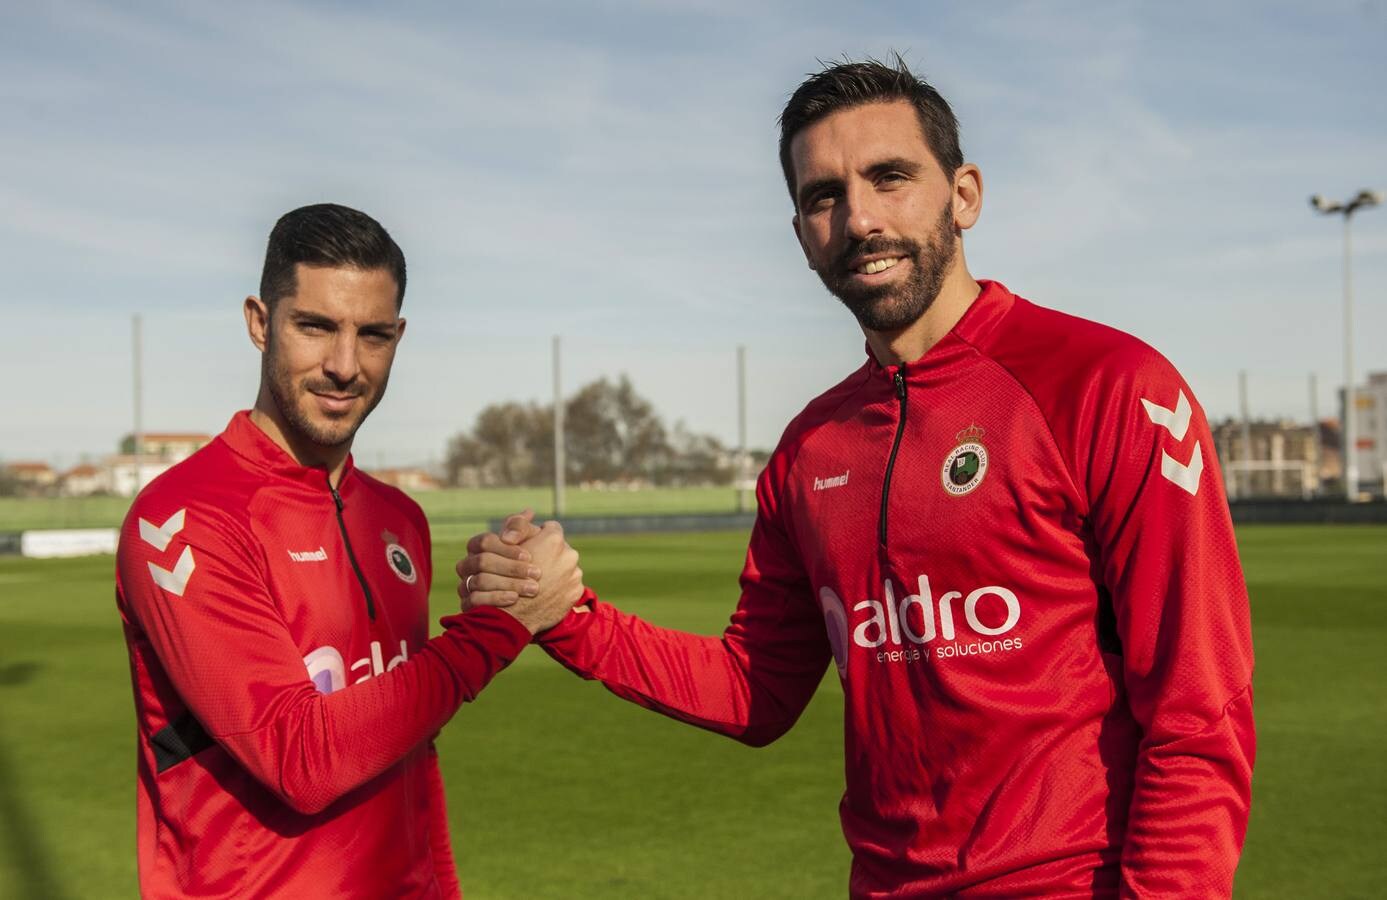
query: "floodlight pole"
1315, 431
1245, 482
1350, 408
137, 365
742, 467
558, 437
1363, 200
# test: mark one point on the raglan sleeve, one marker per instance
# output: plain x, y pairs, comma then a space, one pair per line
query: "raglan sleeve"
753, 681
1169, 563
194, 582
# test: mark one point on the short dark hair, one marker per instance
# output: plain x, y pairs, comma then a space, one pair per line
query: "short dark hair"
326, 234
847, 84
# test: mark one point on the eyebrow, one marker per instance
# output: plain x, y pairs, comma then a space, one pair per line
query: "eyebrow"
896, 164
310, 317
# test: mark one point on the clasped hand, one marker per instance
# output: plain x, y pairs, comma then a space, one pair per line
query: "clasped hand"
529, 571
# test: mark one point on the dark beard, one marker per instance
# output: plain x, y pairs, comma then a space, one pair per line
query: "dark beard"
893, 307
286, 399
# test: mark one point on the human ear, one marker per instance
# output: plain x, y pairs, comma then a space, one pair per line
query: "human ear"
257, 322
967, 199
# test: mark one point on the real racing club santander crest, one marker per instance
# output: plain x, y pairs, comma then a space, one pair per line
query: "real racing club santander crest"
966, 464
398, 558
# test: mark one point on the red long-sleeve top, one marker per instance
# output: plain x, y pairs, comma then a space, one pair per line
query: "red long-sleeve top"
1018, 553
286, 691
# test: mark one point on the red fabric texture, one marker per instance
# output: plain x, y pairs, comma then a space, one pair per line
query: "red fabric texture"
241, 607
1047, 669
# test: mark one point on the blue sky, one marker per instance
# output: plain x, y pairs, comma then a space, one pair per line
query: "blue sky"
607, 172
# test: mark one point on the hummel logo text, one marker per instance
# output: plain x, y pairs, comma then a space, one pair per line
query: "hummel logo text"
319, 555
823, 484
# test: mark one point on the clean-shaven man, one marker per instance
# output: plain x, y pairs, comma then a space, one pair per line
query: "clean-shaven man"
275, 603
1007, 532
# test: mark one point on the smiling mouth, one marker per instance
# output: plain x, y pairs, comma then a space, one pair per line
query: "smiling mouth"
335, 403
877, 265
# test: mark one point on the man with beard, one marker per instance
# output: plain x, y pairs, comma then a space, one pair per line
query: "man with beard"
1029, 586
275, 603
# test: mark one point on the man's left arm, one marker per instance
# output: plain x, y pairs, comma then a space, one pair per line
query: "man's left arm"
1170, 564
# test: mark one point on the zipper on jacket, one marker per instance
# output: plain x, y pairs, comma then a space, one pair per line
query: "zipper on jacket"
346, 541
899, 384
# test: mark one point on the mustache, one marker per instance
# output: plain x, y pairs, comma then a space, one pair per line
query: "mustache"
328, 386
899, 246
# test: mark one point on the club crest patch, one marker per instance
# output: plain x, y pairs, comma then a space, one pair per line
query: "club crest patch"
966, 464
399, 560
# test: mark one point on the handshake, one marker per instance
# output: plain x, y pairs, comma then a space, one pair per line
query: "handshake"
529, 571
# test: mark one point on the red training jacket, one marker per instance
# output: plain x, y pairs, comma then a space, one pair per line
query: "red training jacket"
285, 688
1018, 554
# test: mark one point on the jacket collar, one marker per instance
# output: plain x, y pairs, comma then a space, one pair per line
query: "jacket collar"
993, 302
247, 441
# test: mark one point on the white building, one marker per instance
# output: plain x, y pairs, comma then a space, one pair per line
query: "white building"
1270, 459
1370, 440
84, 480
159, 451
121, 473
173, 446
32, 477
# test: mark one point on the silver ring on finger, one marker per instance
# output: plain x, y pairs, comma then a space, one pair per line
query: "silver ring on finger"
467, 584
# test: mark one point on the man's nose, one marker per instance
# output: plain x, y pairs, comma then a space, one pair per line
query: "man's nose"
341, 364
862, 213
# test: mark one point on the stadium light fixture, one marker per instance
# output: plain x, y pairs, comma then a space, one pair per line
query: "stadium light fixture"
1365, 199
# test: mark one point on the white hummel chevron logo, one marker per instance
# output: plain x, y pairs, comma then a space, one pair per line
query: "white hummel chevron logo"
1177, 422
1186, 477
174, 582
159, 536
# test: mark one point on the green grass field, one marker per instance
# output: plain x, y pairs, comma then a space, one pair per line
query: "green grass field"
559, 790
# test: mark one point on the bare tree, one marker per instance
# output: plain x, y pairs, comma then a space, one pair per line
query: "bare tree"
611, 434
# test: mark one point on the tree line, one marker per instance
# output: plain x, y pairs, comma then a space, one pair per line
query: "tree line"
612, 435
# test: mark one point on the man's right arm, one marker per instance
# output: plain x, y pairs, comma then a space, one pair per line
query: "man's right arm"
751, 683
218, 635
